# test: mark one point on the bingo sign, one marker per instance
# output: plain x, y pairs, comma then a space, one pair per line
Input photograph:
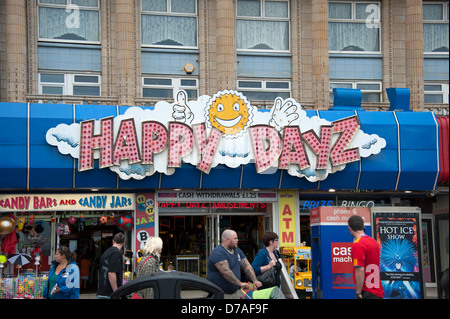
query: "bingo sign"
145, 218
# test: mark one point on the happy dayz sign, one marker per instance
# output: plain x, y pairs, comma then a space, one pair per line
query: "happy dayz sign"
222, 129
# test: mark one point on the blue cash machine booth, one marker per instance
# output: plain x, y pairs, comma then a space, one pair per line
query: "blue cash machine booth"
332, 266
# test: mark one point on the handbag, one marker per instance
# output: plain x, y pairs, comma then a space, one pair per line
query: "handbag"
267, 278
135, 295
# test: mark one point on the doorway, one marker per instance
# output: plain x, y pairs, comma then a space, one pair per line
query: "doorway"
190, 231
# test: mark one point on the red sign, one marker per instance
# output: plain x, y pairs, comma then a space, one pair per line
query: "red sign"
334, 215
145, 218
342, 266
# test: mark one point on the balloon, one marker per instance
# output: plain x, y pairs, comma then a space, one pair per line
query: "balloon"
125, 222
7, 225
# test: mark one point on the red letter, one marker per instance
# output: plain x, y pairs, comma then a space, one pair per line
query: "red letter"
287, 238
181, 141
126, 143
339, 154
266, 146
287, 210
89, 142
320, 147
293, 151
154, 140
207, 148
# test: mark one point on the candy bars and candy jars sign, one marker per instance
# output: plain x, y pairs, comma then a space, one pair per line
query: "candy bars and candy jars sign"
64, 202
222, 129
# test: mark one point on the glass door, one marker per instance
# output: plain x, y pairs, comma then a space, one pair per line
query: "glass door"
212, 233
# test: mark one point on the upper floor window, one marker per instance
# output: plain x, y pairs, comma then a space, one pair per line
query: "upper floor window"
370, 91
69, 21
169, 23
69, 84
260, 90
436, 93
435, 27
162, 87
262, 25
354, 26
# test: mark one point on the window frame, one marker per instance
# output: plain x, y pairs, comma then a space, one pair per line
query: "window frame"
262, 17
353, 19
69, 83
174, 14
263, 87
444, 92
354, 85
445, 20
66, 7
175, 85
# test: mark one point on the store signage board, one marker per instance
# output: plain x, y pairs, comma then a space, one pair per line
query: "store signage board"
336, 215
216, 197
287, 211
223, 129
398, 231
66, 202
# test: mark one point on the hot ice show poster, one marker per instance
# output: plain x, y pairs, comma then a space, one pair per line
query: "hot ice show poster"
398, 233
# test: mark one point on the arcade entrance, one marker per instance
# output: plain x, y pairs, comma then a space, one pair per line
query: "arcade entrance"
191, 230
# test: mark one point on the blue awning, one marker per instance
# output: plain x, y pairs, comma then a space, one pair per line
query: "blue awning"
410, 160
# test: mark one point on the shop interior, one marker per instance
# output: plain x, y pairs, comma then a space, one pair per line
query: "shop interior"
89, 234
190, 234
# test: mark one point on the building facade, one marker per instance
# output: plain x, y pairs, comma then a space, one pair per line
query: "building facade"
133, 52
73, 61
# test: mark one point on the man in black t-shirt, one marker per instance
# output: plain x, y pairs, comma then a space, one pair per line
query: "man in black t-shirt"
111, 268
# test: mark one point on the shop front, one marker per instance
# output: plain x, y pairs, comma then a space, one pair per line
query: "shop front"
190, 223
186, 170
86, 223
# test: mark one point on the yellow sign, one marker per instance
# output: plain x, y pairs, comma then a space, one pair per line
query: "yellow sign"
287, 218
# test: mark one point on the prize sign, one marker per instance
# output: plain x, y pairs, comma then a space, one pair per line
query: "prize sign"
145, 218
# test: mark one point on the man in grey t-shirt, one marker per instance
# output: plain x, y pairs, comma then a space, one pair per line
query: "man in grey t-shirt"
224, 267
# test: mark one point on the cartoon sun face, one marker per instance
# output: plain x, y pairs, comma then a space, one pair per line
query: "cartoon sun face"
229, 112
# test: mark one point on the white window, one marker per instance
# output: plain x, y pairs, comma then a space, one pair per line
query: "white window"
267, 90
169, 23
262, 25
69, 84
354, 26
436, 93
436, 27
154, 87
75, 21
370, 91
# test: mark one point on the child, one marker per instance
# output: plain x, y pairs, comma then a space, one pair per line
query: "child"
84, 271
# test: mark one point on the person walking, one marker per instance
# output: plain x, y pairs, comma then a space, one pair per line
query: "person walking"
149, 263
111, 268
224, 267
366, 261
64, 276
267, 258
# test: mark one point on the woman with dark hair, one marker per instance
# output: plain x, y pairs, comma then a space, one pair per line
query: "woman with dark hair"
267, 258
64, 276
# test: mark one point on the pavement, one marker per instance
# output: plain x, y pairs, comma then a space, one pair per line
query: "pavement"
431, 293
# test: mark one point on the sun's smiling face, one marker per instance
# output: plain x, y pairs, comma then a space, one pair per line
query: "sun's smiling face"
229, 113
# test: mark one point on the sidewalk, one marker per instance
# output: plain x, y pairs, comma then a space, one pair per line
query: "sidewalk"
431, 293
